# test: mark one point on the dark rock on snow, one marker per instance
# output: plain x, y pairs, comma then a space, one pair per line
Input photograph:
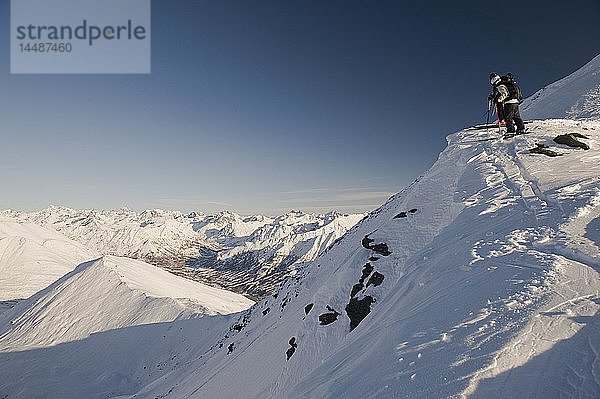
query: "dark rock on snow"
366, 242
570, 139
543, 149
381, 249
357, 310
356, 289
367, 269
405, 214
308, 308
328, 318
292, 349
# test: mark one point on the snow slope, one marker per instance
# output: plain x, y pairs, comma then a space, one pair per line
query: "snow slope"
32, 257
575, 96
102, 330
478, 280
256, 264
109, 293
493, 275
250, 255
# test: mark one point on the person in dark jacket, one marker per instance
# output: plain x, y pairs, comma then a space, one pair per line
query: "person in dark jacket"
509, 101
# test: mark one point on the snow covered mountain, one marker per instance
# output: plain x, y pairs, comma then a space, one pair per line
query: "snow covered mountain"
65, 340
32, 257
110, 293
469, 282
249, 255
257, 263
576, 96
480, 280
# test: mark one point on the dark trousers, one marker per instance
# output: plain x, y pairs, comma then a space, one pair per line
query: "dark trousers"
511, 113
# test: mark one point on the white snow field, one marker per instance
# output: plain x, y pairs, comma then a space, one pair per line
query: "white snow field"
106, 328
479, 280
491, 289
575, 96
249, 254
32, 257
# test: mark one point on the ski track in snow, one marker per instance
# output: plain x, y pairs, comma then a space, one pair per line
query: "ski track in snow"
573, 291
489, 288
489, 277
479, 280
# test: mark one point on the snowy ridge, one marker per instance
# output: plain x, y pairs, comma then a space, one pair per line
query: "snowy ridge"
576, 96
105, 294
463, 284
250, 255
32, 257
106, 329
480, 279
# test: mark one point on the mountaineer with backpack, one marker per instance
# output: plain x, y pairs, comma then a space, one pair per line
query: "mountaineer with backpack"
508, 98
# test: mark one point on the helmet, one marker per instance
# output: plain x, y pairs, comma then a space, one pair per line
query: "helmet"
494, 79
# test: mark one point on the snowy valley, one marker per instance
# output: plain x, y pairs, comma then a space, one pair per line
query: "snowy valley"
249, 255
492, 276
480, 279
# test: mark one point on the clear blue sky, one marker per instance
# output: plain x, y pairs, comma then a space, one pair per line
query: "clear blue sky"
266, 106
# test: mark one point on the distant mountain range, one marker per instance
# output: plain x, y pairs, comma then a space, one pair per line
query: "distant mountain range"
248, 255
479, 280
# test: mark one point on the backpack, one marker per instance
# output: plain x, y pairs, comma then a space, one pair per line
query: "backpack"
514, 91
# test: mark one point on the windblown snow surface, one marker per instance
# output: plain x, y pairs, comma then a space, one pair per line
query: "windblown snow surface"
107, 328
478, 280
576, 96
488, 288
32, 257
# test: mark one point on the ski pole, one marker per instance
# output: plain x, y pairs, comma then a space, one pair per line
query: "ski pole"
484, 112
